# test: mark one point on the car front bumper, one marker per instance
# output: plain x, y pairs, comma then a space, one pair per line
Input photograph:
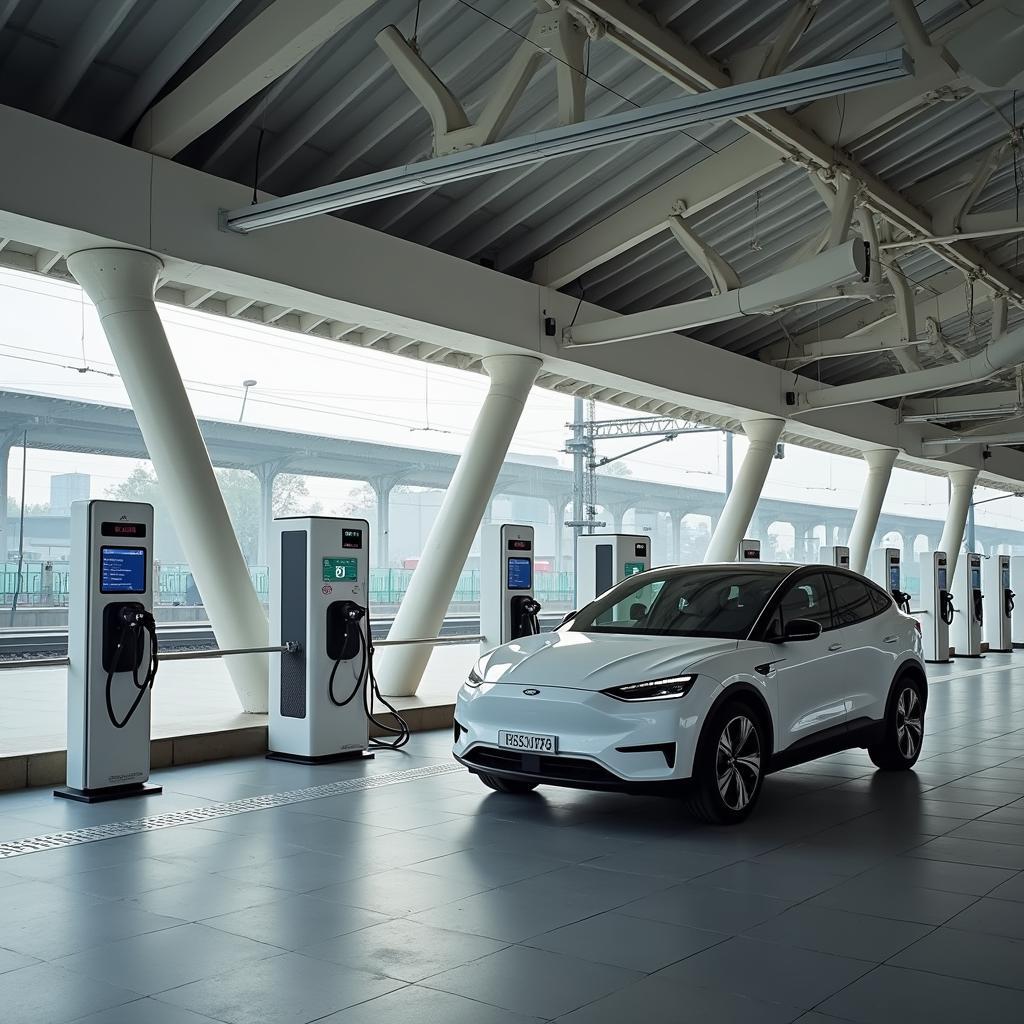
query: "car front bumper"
603, 743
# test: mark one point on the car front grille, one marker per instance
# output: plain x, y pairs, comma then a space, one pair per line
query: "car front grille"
563, 769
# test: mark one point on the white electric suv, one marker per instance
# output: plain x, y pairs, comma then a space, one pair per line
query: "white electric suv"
699, 679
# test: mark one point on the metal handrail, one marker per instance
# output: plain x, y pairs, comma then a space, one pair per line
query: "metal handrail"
289, 648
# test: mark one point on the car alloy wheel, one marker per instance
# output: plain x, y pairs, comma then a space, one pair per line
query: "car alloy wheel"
909, 722
738, 766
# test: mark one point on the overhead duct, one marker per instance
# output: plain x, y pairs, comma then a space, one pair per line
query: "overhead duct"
996, 357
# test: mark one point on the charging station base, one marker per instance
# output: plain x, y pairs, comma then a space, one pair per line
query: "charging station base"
99, 796
344, 755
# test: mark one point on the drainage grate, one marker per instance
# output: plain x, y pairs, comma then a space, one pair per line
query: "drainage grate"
78, 836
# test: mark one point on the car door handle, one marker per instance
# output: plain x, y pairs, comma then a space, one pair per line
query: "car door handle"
890, 640
835, 647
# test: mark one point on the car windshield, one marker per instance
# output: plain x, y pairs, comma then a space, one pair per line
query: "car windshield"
721, 603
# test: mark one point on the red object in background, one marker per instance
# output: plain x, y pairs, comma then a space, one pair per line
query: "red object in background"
542, 565
410, 563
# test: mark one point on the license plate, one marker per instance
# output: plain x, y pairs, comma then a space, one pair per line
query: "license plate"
528, 742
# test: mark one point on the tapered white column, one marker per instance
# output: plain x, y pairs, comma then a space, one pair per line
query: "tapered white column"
880, 462
961, 483
422, 612
121, 284
746, 489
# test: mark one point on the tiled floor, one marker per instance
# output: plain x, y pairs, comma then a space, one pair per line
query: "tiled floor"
849, 896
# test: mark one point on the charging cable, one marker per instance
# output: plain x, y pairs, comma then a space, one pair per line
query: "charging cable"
136, 624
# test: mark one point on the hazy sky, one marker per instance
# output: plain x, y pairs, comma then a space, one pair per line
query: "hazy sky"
49, 334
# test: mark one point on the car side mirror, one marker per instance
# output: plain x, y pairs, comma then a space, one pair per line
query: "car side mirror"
801, 629
569, 616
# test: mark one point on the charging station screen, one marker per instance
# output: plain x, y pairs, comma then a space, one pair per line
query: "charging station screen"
975, 579
942, 580
894, 577
122, 570
520, 574
341, 570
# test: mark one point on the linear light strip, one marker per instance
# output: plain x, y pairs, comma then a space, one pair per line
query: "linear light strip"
791, 88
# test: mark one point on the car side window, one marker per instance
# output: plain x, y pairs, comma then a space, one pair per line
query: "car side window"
882, 602
807, 598
852, 599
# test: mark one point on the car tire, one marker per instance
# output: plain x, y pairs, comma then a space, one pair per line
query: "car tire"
729, 766
903, 735
500, 785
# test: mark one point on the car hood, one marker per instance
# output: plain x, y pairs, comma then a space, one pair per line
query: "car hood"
595, 661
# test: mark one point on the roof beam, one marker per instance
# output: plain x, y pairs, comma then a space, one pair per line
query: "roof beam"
638, 32
689, 192
272, 43
167, 63
103, 20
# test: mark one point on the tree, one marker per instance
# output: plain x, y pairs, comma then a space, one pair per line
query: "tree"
241, 491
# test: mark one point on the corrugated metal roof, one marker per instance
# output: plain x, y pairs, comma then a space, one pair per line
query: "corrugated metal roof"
361, 117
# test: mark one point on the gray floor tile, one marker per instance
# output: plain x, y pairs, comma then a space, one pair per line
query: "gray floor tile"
992, 832
295, 921
165, 959
896, 901
491, 868
46, 993
659, 998
715, 910
298, 872
401, 891
836, 931
11, 961
664, 860
1012, 889
209, 896
533, 982
132, 878
895, 995
630, 942
993, 959
946, 876
145, 1011
405, 950
32, 899
286, 989
778, 974
417, 1005
781, 881
993, 917
971, 851
497, 915
59, 934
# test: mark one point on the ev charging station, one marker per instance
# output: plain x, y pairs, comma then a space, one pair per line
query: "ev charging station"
970, 606
885, 569
837, 555
999, 603
749, 550
318, 604
112, 651
604, 559
1017, 618
937, 610
508, 608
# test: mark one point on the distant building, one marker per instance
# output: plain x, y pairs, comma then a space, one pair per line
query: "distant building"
66, 488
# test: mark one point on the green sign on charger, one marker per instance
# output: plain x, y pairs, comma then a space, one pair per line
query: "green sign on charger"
341, 570
632, 568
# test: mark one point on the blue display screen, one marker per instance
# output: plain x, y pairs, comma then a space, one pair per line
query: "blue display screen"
520, 573
894, 577
975, 579
122, 570
942, 580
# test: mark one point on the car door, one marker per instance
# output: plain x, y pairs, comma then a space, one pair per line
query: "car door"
870, 644
811, 693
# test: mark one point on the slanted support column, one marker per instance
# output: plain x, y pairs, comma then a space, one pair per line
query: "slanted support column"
559, 505
961, 484
739, 506
121, 283
6, 444
880, 462
422, 612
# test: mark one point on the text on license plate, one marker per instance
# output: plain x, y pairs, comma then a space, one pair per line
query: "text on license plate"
529, 742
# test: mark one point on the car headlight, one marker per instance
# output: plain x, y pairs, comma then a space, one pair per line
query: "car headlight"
474, 679
654, 689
